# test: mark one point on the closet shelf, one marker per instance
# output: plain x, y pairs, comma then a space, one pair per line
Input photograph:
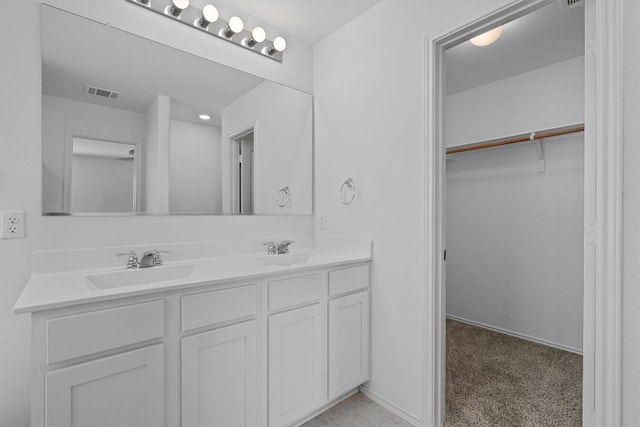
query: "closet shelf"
517, 138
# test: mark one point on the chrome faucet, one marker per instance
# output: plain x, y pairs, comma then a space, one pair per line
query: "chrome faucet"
283, 247
132, 261
271, 247
151, 258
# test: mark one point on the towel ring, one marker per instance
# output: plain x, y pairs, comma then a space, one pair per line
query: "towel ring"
347, 184
283, 197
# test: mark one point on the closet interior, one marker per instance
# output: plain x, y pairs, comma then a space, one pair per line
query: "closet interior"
514, 132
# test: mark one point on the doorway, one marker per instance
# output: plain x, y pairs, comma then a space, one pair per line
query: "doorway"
101, 173
242, 145
602, 207
514, 114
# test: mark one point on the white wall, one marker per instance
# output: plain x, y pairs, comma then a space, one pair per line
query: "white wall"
21, 176
631, 217
283, 145
194, 182
156, 155
64, 114
101, 184
515, 240
545, 98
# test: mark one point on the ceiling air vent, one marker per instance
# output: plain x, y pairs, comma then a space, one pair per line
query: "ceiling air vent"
104, 93
569, 5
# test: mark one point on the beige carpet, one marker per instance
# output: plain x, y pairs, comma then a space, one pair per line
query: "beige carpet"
497, 380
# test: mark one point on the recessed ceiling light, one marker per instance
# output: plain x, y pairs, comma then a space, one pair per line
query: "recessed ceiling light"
204, 117
485, 39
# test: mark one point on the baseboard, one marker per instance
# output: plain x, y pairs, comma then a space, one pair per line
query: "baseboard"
326, 407
390, 406
516, 334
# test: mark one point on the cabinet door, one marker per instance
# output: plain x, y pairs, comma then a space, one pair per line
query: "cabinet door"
295, 364
348, 343
220, 377
122, 390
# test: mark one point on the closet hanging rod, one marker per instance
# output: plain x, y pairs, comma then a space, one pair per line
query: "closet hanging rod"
515, 139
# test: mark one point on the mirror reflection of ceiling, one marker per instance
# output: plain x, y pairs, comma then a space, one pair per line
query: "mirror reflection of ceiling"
96, 55
539, 39
307, 20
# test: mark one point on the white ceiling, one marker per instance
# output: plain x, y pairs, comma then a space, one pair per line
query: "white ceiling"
541, 38
308, 20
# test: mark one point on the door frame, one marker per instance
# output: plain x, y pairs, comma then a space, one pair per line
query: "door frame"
602, 319
71, 134
233, 144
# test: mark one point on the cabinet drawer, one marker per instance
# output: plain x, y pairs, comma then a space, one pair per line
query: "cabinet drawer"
348, 280
213, 307
294, 290
87, 333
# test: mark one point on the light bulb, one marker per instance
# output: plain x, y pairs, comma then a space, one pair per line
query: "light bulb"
204, 117
279, 44
485, 39
177, 6
209, 14
235, 26
258, 35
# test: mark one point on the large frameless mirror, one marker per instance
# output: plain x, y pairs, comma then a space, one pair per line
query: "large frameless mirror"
131, 126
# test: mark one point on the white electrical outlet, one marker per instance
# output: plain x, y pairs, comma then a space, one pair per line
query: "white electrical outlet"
14, 224
322, 222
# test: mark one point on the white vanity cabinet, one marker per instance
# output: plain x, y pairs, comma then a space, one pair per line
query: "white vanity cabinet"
121, 390
297, 347
348, 343
220, 367
348, 329
87, 371
220, 377
268, 351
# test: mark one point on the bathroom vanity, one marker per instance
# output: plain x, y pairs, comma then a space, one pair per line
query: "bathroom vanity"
241, 340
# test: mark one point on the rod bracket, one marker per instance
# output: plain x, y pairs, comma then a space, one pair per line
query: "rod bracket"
540, 147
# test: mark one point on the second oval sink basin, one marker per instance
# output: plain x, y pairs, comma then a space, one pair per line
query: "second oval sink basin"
143, 276
286, 259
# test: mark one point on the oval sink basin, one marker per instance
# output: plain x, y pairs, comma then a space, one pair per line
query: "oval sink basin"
286, 259
144, 276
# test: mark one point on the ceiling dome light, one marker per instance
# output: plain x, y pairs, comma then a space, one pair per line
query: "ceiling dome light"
204, 117
177, 6
485, 39
209, 14
258, 35
235, 26
279, 44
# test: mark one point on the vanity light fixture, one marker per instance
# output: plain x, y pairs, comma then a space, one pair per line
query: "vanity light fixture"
485, 39
176, 7
209, 14
258, 35
208, 19
204, 117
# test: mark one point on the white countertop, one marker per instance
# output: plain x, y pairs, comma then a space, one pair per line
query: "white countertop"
46, 291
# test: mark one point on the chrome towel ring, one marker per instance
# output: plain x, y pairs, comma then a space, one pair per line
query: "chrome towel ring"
347, 191
283, 197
